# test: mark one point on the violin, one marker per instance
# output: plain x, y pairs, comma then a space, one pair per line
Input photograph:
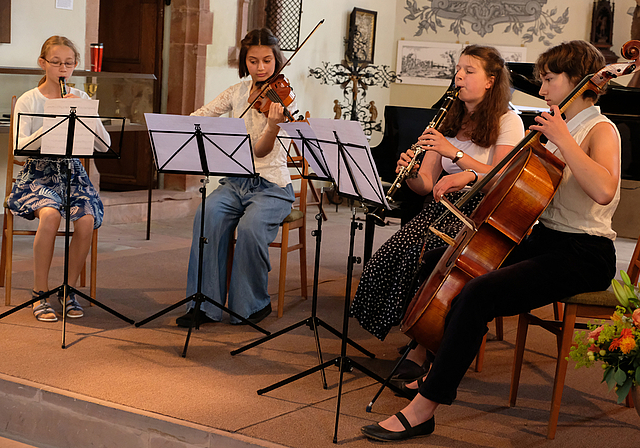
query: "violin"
278, 90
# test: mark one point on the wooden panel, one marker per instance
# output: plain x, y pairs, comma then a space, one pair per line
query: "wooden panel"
5, 21
131, 31
132, 171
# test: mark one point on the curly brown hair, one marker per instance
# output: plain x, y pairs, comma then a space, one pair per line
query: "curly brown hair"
262, 36
484, 121
576, 59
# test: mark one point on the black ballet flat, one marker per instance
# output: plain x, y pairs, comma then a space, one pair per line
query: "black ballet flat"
377, 432
406, 391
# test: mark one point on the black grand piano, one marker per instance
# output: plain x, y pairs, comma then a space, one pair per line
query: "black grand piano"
403, 126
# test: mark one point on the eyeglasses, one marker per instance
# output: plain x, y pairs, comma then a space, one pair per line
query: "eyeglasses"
59, 63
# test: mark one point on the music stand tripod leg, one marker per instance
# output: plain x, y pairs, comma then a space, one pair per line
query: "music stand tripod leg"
65, 287
199, 297
346, 363
313, 322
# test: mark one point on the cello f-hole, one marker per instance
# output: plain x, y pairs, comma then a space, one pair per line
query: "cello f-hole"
454, 256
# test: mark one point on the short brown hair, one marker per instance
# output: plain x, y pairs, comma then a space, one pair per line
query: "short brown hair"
576, 59
262, 36
494, 104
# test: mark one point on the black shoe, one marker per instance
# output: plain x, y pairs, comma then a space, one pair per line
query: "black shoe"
258, 316
185, 321
377, 432
406, 391
409, 370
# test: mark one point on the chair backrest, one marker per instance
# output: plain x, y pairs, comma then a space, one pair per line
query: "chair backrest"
300, 170
11, 162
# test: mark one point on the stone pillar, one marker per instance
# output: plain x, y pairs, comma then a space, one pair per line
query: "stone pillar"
191, 30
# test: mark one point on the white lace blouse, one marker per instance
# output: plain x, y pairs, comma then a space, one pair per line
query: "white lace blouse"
273, 166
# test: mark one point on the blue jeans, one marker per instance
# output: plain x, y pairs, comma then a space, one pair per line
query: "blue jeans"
256, 207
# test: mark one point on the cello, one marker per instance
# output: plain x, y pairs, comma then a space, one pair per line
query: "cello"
528, 181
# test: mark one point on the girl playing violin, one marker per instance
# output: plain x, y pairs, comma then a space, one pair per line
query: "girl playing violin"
477, 132
569, 251
253, 206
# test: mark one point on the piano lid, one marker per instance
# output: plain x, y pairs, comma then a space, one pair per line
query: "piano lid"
621, 104
617, 99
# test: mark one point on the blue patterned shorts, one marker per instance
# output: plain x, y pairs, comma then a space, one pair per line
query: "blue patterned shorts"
42, 183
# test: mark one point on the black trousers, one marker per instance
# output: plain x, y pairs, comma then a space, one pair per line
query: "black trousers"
545, 268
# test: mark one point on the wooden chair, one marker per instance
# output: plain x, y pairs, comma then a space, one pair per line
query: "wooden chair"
499, 337
8, 230
591, 305
296, 220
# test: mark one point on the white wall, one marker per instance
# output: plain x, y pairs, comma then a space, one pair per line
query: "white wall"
32, 22
326, 45
578, 27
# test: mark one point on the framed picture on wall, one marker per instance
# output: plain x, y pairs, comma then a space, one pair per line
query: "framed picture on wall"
427, 63
362, 35
512, 54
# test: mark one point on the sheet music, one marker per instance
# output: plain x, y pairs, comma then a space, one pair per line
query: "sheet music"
311, 152
227, 145
366, 182
55, 141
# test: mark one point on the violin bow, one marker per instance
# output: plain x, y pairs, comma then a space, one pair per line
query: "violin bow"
275, 75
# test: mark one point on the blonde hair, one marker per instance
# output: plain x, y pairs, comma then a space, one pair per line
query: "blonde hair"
55, 41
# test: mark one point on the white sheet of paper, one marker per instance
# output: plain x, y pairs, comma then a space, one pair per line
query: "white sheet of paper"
316, 161
55, 141
359, 158
233, 156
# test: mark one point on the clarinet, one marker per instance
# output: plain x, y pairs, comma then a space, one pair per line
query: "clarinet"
378, 213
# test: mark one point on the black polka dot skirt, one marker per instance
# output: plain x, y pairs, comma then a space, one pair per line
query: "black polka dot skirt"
384, 285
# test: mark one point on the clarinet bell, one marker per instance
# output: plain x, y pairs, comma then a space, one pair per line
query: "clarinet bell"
378, 216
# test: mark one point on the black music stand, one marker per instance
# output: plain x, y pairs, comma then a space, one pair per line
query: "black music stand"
354, 172
188, 150
73, 146
301, 132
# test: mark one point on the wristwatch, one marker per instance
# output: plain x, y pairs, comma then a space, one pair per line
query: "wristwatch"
458, 156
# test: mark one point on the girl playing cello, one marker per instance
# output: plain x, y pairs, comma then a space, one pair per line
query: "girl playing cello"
571, 248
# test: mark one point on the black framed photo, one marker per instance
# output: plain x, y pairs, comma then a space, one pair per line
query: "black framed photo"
362, 35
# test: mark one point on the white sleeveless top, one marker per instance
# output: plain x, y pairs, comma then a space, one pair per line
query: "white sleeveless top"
571, 209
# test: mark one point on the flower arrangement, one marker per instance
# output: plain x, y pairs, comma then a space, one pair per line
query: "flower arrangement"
616, 344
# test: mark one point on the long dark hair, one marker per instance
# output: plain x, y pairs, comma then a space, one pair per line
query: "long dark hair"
262, 36
484, 121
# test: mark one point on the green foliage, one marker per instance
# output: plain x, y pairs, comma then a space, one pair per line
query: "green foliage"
613, 343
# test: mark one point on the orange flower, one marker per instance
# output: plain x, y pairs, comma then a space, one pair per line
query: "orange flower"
636, 317
625, 342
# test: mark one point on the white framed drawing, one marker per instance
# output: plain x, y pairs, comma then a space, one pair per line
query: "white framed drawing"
433, 63
512, 54
427, 63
